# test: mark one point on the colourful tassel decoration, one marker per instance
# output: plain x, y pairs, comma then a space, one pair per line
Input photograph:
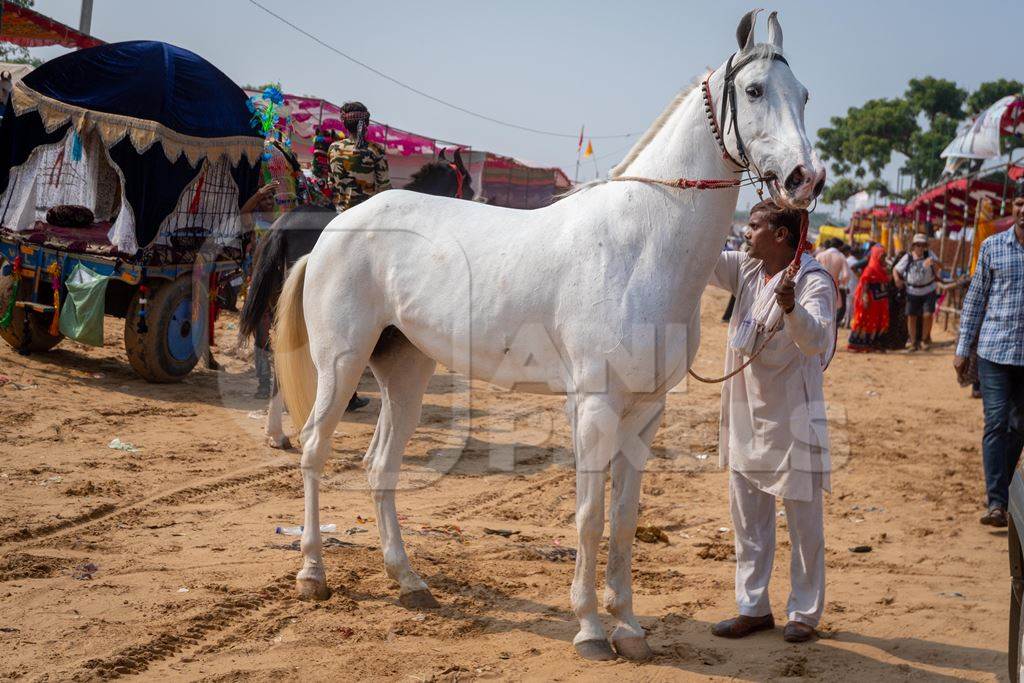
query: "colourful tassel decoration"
193, 207
76, 146
8, 316
58, 168
54, 271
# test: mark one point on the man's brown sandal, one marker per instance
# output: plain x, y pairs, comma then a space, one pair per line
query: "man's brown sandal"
995, 517
742, 626
797, 632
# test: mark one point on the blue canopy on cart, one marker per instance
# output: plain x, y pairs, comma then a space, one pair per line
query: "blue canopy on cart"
151, 81
159, 110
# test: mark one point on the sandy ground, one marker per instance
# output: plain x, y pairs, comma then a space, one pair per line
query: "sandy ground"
165, 563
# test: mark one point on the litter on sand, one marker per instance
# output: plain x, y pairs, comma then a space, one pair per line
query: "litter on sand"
84, 572
651, 534
505, 533
118, 445
297, 530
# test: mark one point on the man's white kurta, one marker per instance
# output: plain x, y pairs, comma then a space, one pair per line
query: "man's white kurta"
773, 429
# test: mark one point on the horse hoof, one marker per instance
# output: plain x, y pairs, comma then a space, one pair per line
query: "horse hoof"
308, 589
633, 648
595, 650
421, 599
281, 443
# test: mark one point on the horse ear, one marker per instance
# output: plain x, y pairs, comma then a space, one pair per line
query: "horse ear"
458, 161
745, 31
441, 155
775, 31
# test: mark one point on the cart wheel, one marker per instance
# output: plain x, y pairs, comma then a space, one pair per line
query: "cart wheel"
40, 338
166, 351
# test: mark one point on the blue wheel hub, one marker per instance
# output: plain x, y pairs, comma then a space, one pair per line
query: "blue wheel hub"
179, 331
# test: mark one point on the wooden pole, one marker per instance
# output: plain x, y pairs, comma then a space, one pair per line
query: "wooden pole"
579, 148
945, 225
85, 19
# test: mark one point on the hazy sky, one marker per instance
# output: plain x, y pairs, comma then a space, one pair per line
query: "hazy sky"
555, 65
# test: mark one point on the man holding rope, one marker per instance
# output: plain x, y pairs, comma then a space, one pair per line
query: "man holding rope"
774, 434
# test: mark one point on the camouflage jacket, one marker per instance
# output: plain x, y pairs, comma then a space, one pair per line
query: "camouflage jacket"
357, 174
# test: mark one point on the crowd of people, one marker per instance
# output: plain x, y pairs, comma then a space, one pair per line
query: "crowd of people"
347, 169
887, 303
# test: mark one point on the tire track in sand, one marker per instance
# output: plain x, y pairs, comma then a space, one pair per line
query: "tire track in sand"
109, 512
177, 639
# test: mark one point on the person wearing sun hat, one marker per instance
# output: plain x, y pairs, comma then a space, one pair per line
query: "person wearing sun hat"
920, 273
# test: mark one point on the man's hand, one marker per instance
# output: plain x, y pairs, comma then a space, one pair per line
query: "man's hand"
261, 200
785, 294
960, 365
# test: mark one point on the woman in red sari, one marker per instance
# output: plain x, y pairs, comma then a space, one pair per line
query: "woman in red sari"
871, 304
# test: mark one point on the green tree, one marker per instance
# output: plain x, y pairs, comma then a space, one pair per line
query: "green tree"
990, 92
839, 193
830, 145
876, 130
934, 96
877, 188
16, 54
923, 162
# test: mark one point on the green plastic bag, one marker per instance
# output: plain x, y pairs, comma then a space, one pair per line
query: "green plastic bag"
81, 314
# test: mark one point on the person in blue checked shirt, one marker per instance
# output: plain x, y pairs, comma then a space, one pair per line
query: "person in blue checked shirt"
993, 317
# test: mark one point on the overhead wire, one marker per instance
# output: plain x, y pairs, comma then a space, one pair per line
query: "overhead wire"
427, 95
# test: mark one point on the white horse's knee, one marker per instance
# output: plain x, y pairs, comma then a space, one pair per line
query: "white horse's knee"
590, 521
381, 481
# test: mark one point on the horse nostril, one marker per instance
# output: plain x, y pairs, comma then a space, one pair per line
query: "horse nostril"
819, 186
795, 179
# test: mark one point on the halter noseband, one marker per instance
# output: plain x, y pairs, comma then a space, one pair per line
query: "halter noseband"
729, 107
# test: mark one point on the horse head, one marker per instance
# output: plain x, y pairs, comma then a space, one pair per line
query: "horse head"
758, 107
444, 178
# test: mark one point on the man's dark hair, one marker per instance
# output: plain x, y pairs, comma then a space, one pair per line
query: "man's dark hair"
790, 219
356, 118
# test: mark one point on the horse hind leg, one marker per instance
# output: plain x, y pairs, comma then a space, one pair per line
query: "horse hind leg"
403, 372
276, 438
337, 378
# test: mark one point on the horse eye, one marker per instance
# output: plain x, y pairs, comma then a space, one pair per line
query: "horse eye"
755, 91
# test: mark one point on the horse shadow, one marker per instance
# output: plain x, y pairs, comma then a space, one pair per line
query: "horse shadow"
682, 643
477, 457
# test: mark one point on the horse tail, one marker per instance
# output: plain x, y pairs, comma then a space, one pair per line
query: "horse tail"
265, 288
296, 374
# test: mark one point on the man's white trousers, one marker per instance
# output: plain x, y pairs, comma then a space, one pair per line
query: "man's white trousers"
753, 518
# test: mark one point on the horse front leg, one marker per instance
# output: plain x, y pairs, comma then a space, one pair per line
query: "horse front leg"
627, 470
595, 435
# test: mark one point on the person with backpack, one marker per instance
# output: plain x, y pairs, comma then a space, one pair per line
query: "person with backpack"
919, 272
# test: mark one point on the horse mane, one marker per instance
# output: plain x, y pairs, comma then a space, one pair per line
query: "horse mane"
654, 129
426, 173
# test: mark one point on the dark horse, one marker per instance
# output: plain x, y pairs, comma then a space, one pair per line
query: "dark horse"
294, 235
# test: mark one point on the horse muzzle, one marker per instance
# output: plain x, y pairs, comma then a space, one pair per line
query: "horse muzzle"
800, 187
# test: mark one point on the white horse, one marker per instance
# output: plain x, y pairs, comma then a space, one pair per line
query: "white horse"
595, 297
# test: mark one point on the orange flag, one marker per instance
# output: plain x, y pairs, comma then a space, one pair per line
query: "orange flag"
590, 149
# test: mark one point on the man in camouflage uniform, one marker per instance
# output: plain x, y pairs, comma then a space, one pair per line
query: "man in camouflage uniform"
359, 168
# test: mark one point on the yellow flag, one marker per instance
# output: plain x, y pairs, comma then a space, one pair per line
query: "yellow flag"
590, 149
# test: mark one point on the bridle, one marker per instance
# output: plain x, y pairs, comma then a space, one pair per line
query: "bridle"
729, 108
754, 177
460, 178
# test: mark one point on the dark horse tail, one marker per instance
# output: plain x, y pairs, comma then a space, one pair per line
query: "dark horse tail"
267, 278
